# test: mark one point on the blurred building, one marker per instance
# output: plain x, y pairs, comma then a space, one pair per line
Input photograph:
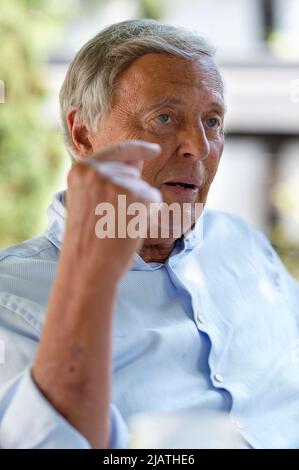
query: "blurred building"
258, 51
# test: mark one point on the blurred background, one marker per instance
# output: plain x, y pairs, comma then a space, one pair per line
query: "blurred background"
258, 51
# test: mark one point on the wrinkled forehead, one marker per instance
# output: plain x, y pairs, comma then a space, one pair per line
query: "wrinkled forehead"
163, 72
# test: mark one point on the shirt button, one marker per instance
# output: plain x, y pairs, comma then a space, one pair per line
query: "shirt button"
199, 318
218, 378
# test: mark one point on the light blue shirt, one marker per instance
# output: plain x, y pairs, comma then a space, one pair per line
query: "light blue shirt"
214, 328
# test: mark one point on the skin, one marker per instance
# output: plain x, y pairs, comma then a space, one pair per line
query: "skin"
73, 363
192, 98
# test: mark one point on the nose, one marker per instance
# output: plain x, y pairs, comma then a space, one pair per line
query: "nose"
193, 142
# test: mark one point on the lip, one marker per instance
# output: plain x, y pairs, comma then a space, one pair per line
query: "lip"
181, 190
185, 180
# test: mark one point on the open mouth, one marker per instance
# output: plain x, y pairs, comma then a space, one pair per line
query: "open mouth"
182, 185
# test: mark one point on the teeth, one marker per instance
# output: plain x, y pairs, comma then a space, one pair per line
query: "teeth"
182, 185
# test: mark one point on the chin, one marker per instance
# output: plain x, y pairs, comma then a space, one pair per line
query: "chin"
171, 224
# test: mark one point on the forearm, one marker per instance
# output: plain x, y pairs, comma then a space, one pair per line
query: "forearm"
73, 363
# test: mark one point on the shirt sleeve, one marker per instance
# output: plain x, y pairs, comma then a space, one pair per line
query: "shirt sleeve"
27, 418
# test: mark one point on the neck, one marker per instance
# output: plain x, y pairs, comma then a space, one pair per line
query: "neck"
152, 251
156, 252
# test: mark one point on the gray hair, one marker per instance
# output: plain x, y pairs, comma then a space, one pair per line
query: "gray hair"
89, 82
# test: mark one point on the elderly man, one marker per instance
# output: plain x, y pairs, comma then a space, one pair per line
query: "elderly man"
94, 329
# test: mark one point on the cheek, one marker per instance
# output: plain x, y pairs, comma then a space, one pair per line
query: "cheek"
213, 161
150, 170
211, 165
112, 129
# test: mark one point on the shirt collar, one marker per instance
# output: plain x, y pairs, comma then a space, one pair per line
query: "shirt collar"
56, 224
56, 220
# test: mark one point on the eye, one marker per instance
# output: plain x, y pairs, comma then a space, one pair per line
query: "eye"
213, 122
163, 118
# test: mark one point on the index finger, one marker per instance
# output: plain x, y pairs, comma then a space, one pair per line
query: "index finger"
129, 151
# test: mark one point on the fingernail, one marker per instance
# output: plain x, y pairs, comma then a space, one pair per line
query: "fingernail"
154, 146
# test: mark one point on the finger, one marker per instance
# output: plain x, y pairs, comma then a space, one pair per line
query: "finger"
130, 151
110, 169
139, 187
127, 177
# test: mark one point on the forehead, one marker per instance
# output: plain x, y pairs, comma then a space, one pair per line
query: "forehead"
153, 75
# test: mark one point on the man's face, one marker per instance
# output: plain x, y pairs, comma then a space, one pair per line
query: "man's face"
178, 104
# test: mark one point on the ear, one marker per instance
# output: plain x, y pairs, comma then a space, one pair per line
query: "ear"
80, 135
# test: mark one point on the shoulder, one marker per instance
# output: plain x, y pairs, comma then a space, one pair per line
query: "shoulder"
232, 238
27, 271
230, 227
37, 247
236, 240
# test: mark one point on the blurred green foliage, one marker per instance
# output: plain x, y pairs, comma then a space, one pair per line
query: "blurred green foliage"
30, 151
151, 9
286, 249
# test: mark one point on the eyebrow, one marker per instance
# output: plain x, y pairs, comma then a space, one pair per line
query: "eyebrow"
177, 101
